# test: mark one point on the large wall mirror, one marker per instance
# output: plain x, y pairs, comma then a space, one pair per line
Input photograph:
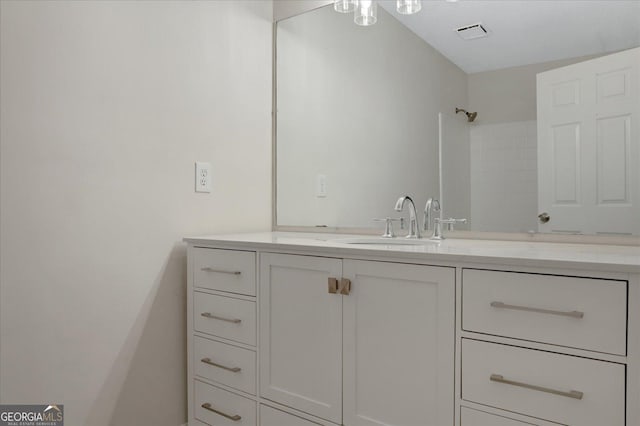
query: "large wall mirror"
546, 138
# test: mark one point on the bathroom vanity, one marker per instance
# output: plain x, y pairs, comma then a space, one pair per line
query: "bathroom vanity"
307, 329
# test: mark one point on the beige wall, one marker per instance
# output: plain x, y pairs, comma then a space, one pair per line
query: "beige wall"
104, 108
509, 94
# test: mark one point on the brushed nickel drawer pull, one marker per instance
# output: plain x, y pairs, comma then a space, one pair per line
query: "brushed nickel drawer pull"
572, 314
571, 394
220, 271
211, 316
208, 406
224, 367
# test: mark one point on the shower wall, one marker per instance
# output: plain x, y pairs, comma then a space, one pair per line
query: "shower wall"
504, 187
455, 169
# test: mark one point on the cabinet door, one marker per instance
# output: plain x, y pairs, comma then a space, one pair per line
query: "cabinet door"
301, 334
398, 339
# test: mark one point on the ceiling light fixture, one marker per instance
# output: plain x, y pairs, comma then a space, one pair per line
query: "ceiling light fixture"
408, 7
344, 6
366, 12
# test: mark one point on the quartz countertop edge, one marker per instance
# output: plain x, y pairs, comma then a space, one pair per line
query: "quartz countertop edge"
604, 258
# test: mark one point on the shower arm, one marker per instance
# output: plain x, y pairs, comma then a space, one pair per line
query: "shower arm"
471, 116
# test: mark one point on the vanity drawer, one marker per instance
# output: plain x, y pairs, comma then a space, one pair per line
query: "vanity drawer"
226, 364
225, 270
539, 384
574, 312
216, 406
226, 317
471, 417
272, 417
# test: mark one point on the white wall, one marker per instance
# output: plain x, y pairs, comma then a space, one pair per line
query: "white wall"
104, 108
360, 106
283, 9
509, 94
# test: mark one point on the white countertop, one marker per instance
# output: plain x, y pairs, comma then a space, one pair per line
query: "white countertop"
603, 258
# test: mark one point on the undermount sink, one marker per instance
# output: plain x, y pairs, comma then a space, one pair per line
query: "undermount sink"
398, 241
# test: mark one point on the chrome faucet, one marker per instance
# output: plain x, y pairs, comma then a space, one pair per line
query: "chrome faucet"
434, 206
431, 206
414, 230
437, 230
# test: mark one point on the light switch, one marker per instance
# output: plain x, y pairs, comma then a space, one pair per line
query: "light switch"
321, 186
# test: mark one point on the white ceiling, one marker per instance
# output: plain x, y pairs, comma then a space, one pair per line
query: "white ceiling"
524, 32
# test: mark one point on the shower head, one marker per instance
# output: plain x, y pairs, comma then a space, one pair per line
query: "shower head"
470, 115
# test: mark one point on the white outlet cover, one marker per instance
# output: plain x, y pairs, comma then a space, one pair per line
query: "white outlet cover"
203, 177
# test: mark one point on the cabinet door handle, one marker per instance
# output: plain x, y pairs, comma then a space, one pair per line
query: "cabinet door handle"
233, 417
344, 287
571, 394
220, 271
224, 367
339, 286
211, 316
572, 314
333, 285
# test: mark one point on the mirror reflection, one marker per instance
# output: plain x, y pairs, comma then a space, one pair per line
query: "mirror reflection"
408, 106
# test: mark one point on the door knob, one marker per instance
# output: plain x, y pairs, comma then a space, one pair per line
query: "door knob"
544, 217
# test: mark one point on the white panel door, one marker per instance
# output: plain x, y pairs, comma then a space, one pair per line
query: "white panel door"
301, 334
398, 344
589, 146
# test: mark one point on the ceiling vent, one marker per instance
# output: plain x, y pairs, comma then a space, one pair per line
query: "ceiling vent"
472, 31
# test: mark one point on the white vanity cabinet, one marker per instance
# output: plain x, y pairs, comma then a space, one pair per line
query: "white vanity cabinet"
551, 347
381, 354
290, 330
221, 337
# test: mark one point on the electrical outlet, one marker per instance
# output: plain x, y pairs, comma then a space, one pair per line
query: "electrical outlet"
203, 177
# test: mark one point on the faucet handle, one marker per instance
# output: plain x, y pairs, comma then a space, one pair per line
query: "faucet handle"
450, 222
388, 226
